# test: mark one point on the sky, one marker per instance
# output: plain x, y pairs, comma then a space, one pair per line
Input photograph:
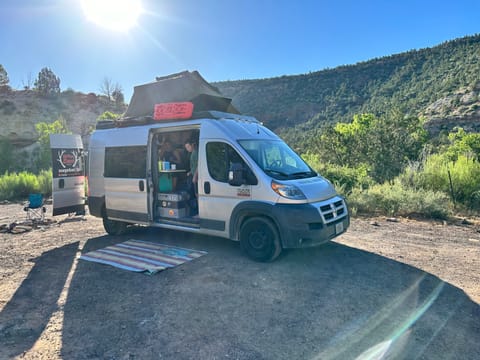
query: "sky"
222, 39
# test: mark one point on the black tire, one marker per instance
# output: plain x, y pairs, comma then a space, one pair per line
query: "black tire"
114, 227
259, 239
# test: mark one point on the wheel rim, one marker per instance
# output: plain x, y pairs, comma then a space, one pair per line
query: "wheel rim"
258, 239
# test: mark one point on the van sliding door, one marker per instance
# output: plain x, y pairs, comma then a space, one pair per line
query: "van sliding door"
126, 191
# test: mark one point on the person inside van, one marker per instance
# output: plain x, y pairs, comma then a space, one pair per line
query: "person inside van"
168, 153
192, 175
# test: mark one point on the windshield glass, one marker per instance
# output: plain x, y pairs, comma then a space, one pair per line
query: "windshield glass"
277, 159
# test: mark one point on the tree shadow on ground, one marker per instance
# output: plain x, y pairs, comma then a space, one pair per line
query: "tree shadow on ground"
330, 302
28, 312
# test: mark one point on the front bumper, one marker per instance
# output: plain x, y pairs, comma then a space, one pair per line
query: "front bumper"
306, 225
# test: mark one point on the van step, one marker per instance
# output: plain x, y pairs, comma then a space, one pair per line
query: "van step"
185, 221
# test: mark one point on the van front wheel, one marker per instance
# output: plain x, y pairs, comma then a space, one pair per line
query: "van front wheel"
259, 239
113, 227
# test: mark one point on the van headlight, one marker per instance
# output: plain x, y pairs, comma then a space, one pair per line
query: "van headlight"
288, 191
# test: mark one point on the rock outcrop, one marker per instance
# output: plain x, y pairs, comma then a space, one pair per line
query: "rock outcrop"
21, 110
460, 109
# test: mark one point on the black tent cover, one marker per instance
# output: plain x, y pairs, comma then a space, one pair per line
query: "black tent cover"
183, 86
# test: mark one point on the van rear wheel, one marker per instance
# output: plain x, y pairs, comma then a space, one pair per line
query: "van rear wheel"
259, 239
114, 227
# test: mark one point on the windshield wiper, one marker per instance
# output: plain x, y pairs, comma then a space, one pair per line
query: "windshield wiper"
303, 174
271, 171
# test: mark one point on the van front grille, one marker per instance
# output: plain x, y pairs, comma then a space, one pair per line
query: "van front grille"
333, 211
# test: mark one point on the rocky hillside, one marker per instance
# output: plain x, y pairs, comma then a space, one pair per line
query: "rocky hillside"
440, 83
21, 110
462, 108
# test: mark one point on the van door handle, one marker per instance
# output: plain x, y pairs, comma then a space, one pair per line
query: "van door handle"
206, 187
141, 185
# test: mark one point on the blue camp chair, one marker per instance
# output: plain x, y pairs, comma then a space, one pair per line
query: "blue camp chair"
34, 208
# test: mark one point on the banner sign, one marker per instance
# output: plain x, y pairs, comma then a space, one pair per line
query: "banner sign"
67, 163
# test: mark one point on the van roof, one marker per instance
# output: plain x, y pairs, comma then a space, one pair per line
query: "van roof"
149, 120
233, 127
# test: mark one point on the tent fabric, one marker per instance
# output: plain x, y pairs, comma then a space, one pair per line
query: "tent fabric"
183, 86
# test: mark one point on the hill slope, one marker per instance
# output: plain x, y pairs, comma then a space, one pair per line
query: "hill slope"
410, 81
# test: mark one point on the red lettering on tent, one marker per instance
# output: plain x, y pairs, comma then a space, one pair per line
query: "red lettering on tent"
176, 110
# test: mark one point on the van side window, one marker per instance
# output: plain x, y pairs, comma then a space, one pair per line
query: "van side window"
220, 156
126, 162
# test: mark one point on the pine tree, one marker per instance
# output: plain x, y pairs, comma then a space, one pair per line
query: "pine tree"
3, 77
47, 82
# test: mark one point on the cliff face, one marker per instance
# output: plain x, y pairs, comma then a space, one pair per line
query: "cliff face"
21, 110
460, 109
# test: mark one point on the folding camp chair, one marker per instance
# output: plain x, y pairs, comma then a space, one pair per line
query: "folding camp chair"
34, 208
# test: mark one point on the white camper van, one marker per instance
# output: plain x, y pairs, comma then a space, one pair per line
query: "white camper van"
252, 187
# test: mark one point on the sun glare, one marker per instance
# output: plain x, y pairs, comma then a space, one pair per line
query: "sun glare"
117, 15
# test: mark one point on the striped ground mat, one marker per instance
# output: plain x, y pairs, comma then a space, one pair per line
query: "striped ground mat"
142, 256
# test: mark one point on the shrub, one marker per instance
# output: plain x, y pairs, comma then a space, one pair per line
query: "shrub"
393, 199
343, 177
17, 186
45, 182
464, 173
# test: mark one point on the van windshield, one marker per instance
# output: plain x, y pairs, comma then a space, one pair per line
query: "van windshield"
277, 159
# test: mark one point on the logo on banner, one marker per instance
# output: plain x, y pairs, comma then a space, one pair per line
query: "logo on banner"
67, 162
68, 159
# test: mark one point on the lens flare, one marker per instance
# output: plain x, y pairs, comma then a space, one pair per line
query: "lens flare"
116, 15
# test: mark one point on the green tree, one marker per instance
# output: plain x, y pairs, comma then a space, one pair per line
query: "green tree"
3, 77
384, 145
395, 141
463, 143
47, 83
44, 130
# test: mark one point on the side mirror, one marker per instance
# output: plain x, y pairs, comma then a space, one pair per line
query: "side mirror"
236, 175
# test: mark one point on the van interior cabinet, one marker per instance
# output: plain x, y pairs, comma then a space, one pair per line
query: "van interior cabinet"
168, 180
165, 182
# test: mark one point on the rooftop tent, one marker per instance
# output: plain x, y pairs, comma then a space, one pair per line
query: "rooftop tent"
183, 86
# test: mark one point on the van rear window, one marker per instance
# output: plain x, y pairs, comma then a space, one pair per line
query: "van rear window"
126, 162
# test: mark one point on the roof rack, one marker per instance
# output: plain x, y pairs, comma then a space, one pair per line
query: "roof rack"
148, 120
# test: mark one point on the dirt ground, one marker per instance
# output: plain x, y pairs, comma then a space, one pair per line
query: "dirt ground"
385, 289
